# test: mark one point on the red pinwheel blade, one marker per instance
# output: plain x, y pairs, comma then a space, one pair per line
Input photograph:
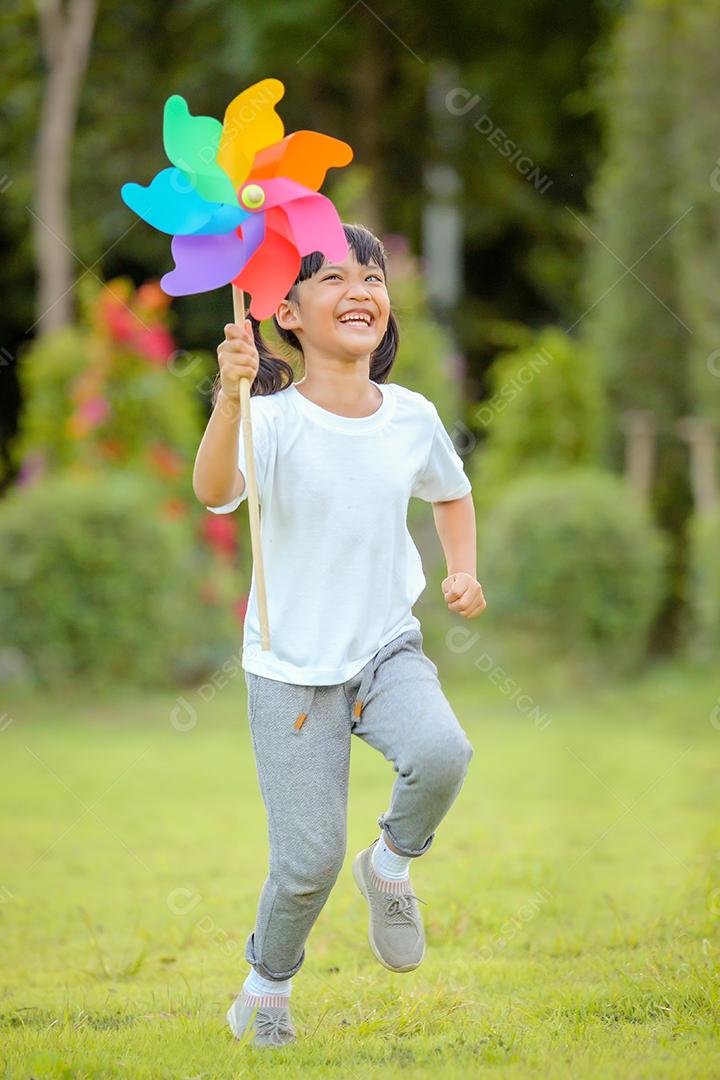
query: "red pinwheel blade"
272, 270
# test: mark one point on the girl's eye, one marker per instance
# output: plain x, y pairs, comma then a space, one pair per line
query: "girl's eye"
337, 276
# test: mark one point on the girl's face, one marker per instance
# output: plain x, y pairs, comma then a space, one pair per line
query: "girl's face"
320, 317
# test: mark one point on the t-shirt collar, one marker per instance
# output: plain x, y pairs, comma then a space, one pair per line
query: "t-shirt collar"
348, 424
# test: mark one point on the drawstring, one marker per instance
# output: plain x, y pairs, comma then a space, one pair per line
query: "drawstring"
359, 701
307, 705
364, 687
391, 647
365, 682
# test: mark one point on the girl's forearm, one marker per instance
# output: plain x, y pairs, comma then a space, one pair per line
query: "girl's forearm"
215, 475
455, 524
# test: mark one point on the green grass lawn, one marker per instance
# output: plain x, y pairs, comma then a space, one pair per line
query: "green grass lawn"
572, 894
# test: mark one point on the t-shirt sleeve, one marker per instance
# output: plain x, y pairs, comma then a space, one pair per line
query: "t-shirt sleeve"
443, 476
263, 431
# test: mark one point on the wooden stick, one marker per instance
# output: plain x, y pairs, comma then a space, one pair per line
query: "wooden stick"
253, 504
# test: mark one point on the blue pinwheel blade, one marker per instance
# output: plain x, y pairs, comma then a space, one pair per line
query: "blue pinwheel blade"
171, 204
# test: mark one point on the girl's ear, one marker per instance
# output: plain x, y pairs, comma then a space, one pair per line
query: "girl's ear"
287, 316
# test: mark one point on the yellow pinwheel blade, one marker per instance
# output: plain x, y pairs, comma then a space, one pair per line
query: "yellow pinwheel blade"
250, 123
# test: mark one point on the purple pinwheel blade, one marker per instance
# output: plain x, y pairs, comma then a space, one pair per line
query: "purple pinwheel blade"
204, 262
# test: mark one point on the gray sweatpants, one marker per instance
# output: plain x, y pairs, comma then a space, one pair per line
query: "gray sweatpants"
301, 739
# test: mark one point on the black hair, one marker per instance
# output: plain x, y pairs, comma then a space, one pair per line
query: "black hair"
274, 373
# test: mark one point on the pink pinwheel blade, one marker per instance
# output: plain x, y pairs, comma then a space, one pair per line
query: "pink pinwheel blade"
281, 190
204, 262
316, 227
313, 218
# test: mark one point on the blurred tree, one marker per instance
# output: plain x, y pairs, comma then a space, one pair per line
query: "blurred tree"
695, 158
66, 33
657, 208
358, 74
634, 322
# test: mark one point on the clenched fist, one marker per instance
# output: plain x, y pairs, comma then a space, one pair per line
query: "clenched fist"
463, 593
238, 358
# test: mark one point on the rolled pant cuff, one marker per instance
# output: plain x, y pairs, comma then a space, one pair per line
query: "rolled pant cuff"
279, 976
409, 852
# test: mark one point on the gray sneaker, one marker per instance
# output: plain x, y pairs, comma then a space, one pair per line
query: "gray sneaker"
272, 1024
395, 927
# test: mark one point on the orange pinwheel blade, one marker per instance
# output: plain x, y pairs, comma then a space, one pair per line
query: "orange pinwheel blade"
304, 156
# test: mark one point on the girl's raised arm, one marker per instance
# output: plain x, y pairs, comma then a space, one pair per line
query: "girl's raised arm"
217, 480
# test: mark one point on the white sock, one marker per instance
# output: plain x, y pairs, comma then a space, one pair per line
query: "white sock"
388, 864
256, 985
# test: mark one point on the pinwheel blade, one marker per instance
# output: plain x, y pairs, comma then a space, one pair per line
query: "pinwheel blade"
304, 156
270, 274
171, 204
191, 144
207, 262
316, 227
250, 123
313, 218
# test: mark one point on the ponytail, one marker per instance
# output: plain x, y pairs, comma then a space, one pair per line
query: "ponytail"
273, 373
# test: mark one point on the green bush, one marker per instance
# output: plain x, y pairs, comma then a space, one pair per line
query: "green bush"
101, 581
573, 563
703, 622
546, 408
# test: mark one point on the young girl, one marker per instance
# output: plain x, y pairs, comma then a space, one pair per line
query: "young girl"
338, 455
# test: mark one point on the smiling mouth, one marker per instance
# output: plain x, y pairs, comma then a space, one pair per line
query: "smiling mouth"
362, 323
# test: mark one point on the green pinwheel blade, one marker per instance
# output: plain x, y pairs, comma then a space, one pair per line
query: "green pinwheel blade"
191, 144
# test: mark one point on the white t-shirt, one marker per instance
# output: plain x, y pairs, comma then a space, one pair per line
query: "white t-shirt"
341, 569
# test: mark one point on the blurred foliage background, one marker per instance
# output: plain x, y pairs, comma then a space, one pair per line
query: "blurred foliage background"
547, 184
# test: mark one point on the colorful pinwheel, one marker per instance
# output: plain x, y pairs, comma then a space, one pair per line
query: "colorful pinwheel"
242, 205
241, 201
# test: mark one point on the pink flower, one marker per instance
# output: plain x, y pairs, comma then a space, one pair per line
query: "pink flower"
121, 323
155, 344
151, 297
94, 410
142, 331
240, 607
221, 534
